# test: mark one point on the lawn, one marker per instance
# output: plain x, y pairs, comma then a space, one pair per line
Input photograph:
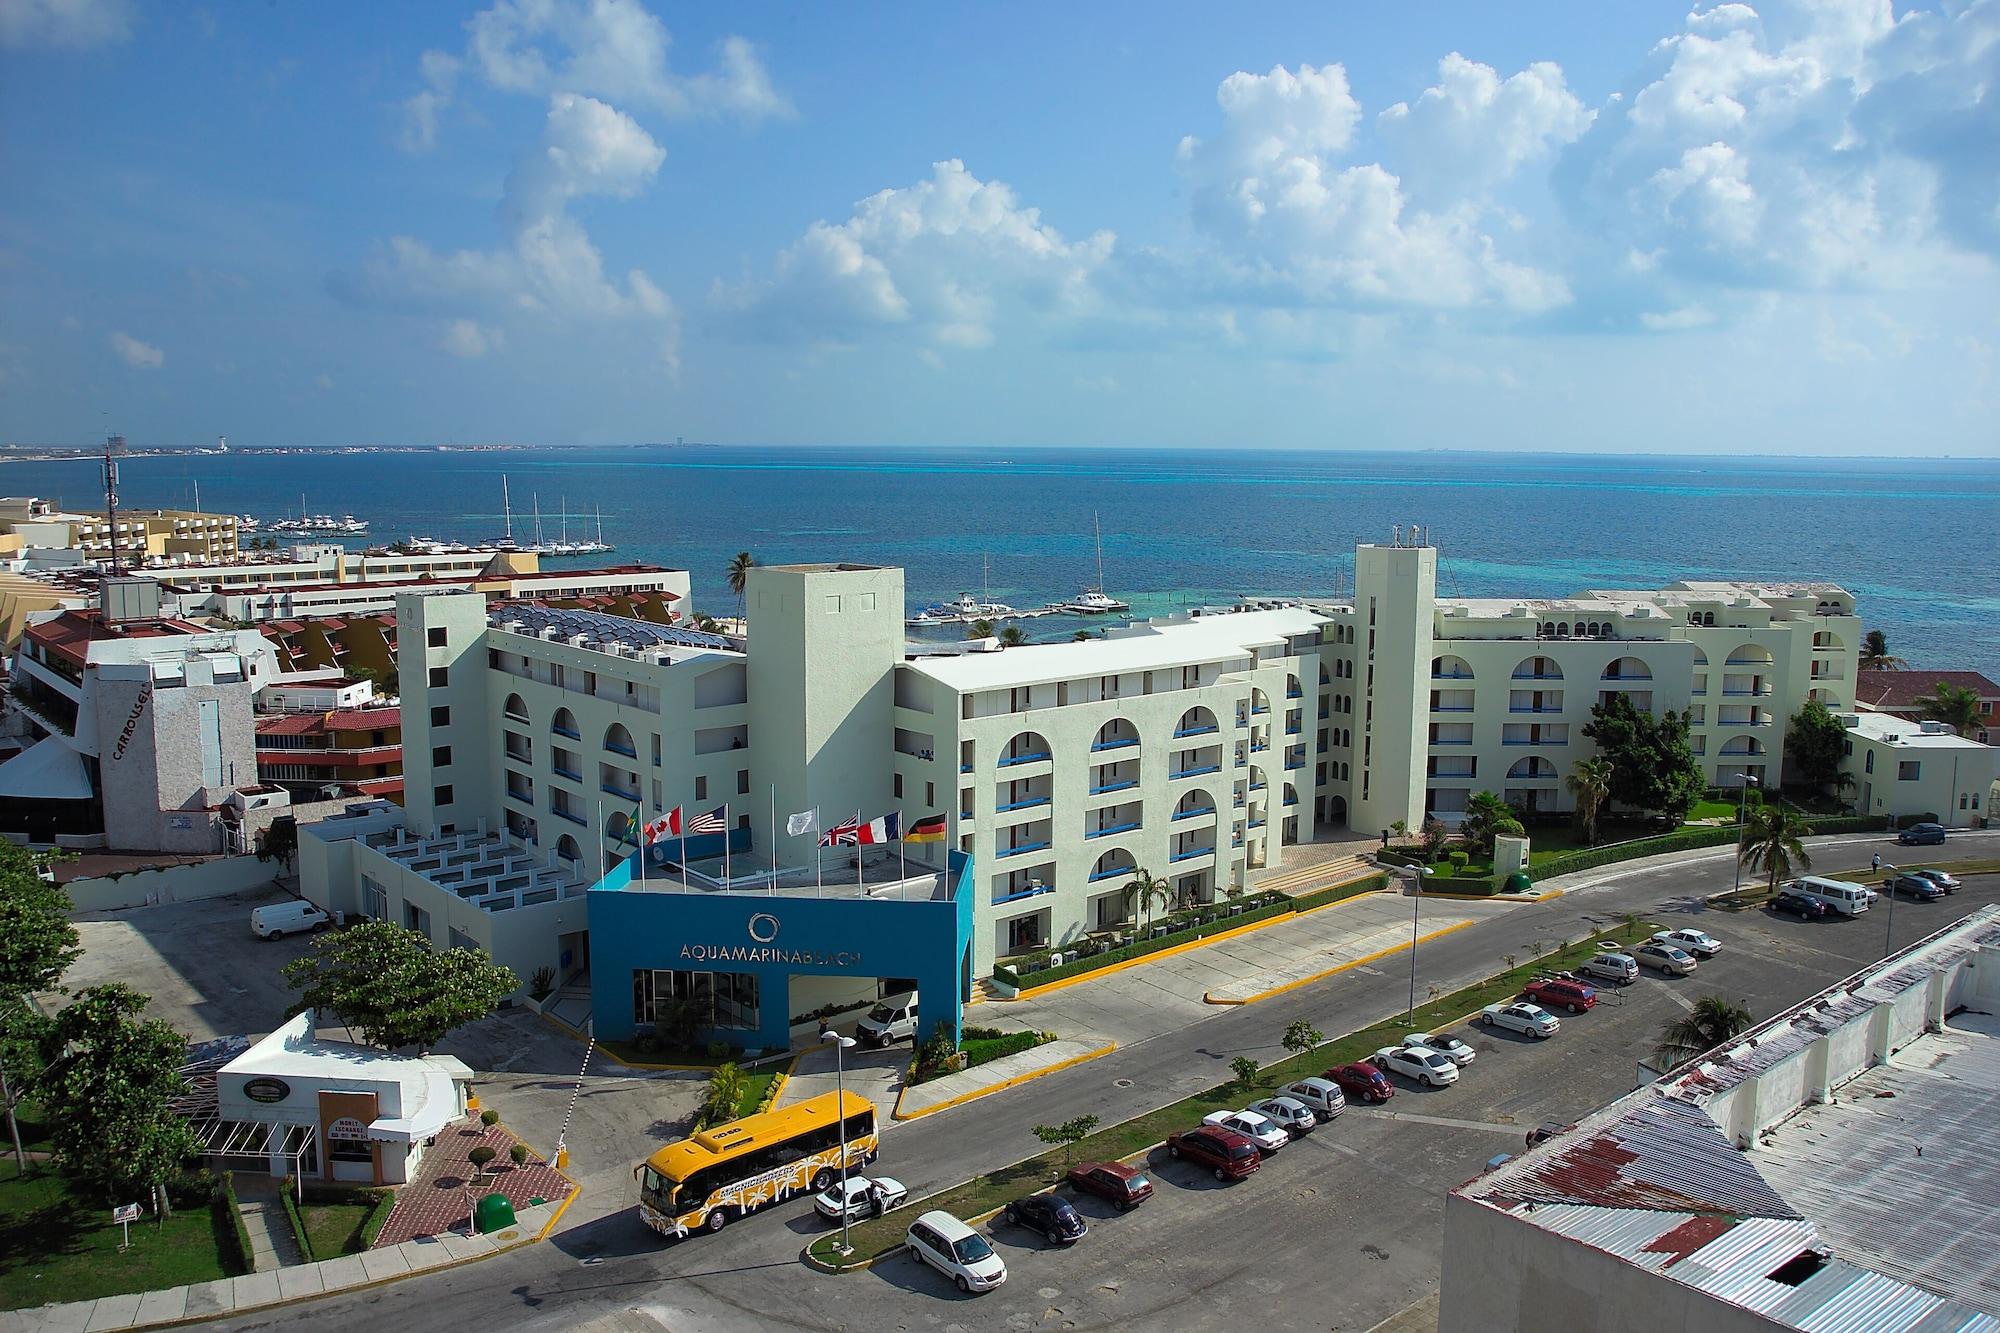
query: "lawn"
991, 1191
334, 1227
34, 1129
1725, 810
55, 1246
755, 1084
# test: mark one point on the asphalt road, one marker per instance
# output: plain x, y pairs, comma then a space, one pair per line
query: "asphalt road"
1338, 1231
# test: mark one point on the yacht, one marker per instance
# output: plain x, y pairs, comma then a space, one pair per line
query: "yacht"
320, 525
1094, 601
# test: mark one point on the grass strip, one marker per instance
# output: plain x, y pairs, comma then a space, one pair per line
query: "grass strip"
877, 1237
61, 1245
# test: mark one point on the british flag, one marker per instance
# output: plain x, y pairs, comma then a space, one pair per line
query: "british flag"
844, 834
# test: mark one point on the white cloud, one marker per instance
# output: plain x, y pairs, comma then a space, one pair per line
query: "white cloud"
1673, 321
1473, 129
136, 354
1269, 190
71, 25
468, 339
421, 111
586, 148
948, 260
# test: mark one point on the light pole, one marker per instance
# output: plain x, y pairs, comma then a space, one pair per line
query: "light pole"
1889, 892
840, 1045
1416, 874
1742, 829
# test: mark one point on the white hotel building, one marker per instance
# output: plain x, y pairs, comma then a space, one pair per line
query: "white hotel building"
1200, 748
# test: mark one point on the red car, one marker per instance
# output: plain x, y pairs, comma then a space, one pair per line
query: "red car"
1114, 1182
1230, 1155
1561, 993
1361, 1082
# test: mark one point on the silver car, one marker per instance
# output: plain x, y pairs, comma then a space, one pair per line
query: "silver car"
1666, 958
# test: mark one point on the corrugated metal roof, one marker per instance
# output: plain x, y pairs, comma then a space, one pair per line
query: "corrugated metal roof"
1625, 1232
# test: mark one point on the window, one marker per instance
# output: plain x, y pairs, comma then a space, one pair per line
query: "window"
742, 782
896, 786
417, 919
440, 756
1868, 762
441, 715
440, 677
930, 794
1909, 770
701, 789
434, 636
441, 795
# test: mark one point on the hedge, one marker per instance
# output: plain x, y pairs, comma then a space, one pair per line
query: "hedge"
983, 1050
224, 1200
1688, 840
298, 1226
1306, 902
1483, 885
378, 1216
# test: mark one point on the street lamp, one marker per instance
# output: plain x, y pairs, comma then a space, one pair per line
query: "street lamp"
1416, 879
840, 1045
1742, 829
1889, 891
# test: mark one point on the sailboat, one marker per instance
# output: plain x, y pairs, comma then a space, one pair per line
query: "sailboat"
320, 525
1094, 601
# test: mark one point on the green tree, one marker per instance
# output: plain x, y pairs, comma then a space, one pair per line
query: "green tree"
1012, 636
1875, 655
725, 1092
1771, 842
1068, 1134
37, 945
1080, 636
1711, 1022
1954, 705
740, 566
107, 1080
1435, 836
389, 984
1589, 781
1815, 743
1142, 891
980, 629
1486, 818
1652, 766
1245, 1070
1301, 1037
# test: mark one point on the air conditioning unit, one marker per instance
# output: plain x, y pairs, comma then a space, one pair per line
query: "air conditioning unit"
1057, 959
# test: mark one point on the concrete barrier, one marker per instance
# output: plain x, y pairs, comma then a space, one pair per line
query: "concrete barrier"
172, 884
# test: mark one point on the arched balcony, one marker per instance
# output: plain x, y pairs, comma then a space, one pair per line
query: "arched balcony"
1117, 734
1749, 655
1292, 688
567, 849
1742, 746
1826, 641
1114, 864
1260, 702
1196, 803
1538, 668
1535, 768
1196, 721
1027, 747
564, 724
515, 709
1450, 668
619, 741
1628, 668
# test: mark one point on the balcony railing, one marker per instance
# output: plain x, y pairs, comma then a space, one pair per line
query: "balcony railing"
1294, 765
613, 789
1113, 873
515, 717
1524, 708
578, 820
625, 750
524, 797
1123, 784
1758, 693
1196, 731
965, 768
1028, 804
1109, 829
1258, 747
1255, 711
1191, 853
1196, 772
1258, 822
562, 772
1009, 760
1614, 679
1451, 708
1543, 740
1295, 694
1292, 799
1023, 849
1293, 730
1019, 894
1454, 675
566, 731
1536, 675
1194, 812
1119, 744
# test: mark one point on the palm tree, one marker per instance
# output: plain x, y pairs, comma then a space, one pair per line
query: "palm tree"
1711, 1022
1143, 890
981, 629
1590, 783
740, 566
1771, 842
1953, 705
1875, 654
1486, 816
725, 1091
1012, 636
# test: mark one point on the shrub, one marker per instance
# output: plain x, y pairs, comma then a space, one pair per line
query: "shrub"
518, 1154
229, 1221
646, 1043
298, 1226
719, 1050
481, 1155
983, 1050
1245, 1070
378, 1215
1460, 860
489, 1117
542, 983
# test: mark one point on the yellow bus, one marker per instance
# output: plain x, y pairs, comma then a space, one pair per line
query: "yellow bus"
705, 1182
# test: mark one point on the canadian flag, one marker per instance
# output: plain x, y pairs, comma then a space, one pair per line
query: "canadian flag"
666, 826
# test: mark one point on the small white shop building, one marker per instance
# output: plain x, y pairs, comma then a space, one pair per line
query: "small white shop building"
340, 1111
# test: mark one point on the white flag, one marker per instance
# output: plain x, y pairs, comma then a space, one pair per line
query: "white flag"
805, 821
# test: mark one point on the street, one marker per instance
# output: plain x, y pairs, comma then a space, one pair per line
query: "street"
1340, 1230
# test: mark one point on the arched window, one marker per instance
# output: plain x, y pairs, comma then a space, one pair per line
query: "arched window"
1743, 745
1292, 687
619, 741
516, 709
1708, 618
1749, 654
1114, 864
564, 724
1538, 668
1117, 734
1450, 668
1196, 721
1535, 766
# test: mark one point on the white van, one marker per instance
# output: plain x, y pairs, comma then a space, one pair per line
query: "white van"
956, 1250
1839, 895
1620, 969
893, 1020
287, 918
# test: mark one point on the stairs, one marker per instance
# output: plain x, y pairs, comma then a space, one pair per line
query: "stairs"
1312, 878
982, 991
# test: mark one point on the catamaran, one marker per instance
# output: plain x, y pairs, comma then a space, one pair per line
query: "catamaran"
1094, 601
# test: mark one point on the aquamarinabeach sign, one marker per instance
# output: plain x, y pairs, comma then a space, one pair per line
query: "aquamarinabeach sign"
763, 929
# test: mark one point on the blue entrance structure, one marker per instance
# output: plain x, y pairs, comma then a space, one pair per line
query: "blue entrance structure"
731, 947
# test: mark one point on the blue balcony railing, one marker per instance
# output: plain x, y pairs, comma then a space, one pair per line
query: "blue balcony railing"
1023, 849
613, 789
1008, 761
1196, 731
1191, 853
1294, 765
625, 750
578, 820
524, 797
565, 731
1258, 747
1113, 873
1110, 829
1292, 799
1293, 730
1028, 804
1120, 785
1115, 745
1019, 894
1196, 772
1255, 711
1257, 823
562, 772
1295, 694
1451, 708
1536, 675
965, 768
1514, 709
1195, 812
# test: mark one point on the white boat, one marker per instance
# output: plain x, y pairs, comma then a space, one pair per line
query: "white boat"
320, 525
1094, 601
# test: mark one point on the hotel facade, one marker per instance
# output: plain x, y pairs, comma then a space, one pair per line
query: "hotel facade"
1203, 748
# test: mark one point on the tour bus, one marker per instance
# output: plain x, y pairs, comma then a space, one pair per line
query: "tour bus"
705, 1182
1838, 894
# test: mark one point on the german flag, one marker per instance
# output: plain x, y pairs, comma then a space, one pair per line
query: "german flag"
926, 830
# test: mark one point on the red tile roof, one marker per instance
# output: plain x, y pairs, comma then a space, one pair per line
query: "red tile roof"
1892, 690
71, 633
314, 724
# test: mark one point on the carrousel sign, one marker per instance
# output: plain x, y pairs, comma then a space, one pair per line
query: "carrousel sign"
762, 930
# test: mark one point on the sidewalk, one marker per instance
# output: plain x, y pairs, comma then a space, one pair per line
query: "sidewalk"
1008, 1070
237, 1295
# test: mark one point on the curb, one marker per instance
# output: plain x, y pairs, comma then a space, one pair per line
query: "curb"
1002, 1086
1209, 998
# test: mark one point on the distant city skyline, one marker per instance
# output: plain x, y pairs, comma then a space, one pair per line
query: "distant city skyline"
1747, 230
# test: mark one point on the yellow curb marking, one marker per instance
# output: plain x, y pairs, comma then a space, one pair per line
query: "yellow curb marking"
1209, 998
1001, 1086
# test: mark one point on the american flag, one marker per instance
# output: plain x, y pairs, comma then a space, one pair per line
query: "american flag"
715, 821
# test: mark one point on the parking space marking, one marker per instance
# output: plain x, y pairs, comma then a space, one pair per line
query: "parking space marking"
1512, 1131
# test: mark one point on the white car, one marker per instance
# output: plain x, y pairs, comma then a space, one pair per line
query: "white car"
1520, 1016
941, 1241
1457, 1051
1697, 942
860, 1192
1426, 1066
1266, 1133
1290, 1114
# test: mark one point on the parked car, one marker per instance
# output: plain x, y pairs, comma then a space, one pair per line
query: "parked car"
1918, 835
1520, 1016
286, 918
1800, 906
1228, 1154
1431, 1068
1322, 1095
1052, 1215
893, 1020
1949, 883
1665, 958
860, 1196
1448, 1046
1360, 1082
1697, 942
1616, 968
1560, 993
1290, 1114
941, 1241
1260, 1129
1914, 886
1124, 1187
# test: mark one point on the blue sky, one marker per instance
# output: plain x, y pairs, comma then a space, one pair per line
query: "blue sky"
1591, 227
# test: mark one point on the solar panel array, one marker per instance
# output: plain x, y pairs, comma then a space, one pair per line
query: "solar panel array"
602, 628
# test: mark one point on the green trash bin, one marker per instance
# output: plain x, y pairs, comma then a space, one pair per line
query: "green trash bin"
493, 1212
1519, 882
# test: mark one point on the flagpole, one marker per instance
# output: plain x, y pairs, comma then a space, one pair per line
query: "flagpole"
680, 818
774, 838
902, 858
819, 885
600, 837
726, 830
857, 850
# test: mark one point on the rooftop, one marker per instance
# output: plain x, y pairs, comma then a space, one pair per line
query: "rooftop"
1903, 732
600, 630
882, 874
1142, 647
1908, 689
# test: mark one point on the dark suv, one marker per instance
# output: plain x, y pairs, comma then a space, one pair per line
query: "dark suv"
1800, 906
1230, 1155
